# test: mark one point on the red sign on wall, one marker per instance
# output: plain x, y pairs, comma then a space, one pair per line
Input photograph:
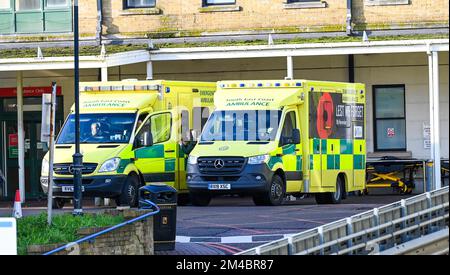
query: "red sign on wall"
29, 91
12, 140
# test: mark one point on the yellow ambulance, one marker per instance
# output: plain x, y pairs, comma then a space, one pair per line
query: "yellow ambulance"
131, 133
271, 138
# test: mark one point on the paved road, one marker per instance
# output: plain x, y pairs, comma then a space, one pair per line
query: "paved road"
233, 224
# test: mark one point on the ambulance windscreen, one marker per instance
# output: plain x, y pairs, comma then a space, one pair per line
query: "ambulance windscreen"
242, 125
99, 128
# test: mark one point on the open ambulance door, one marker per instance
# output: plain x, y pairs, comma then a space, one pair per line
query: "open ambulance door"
155, 149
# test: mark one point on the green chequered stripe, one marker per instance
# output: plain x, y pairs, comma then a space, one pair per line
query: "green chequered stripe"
316, 146
169, 165
346, 146
299, 163
359, 162
273, 161
330, 162
324, 146
334, 160
289, 149
337, 162
155, 151
122, 165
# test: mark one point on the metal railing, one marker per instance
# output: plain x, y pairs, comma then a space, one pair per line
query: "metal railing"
69, 246
369, 232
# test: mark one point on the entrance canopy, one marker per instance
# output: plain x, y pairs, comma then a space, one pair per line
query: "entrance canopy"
226, 52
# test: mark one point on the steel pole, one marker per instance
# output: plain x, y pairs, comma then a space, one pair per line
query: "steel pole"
20, 136
51, 155
77, 157
436, 116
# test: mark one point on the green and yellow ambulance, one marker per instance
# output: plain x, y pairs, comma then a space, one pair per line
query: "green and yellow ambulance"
132, 133
271, 138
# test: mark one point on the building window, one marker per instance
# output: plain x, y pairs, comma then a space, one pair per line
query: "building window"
25, 5
5, 4
35, 16
140, 4
386, 2
218, 2
57, 3
304, 4
299, 1
389, 118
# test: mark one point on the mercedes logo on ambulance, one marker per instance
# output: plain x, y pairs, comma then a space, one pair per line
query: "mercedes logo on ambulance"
219, 163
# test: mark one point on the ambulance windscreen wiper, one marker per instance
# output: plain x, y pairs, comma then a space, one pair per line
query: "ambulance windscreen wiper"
258, 142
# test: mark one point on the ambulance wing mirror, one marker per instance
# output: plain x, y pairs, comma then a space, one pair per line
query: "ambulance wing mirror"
194, 134
145, 139
148, 139
294, 139
296, 136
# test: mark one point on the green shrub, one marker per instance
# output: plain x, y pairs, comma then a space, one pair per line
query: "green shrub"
33, 230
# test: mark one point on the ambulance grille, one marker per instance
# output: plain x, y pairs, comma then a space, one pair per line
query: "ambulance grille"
229, 165
64, 168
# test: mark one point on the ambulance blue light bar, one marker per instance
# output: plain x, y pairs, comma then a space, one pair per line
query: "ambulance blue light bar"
237, 85
120, 88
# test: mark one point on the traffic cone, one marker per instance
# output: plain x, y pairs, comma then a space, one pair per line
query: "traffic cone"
17, 212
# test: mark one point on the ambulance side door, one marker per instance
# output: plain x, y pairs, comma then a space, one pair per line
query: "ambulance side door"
291, 152
155, 149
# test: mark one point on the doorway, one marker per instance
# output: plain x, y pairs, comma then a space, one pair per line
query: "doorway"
34, 149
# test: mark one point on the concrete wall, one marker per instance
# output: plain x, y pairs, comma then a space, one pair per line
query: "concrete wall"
133, 239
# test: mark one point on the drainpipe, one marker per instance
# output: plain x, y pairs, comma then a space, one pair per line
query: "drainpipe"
98, 35
351, 68
349, 29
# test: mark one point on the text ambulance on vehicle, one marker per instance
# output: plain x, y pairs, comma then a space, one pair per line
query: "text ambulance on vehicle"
272, 138
132, 133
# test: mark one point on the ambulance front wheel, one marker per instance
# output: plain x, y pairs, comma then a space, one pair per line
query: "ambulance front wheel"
200, 199
58, 203
130, 192
274, 196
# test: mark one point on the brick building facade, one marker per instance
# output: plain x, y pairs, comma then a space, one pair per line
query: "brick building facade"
168, 18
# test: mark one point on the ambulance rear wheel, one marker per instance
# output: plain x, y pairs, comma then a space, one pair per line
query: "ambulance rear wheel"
200, 199
274, 196
130, 192
332, 197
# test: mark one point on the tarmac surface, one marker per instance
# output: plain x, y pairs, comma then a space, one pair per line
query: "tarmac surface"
233, 224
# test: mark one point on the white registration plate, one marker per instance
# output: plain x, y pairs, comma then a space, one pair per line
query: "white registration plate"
70, 188
219, 186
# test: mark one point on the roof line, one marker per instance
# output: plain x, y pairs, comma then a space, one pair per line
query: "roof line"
226, 52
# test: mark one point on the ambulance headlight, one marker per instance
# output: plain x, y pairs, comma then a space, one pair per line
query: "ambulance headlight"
192, 160
45, 167
110, 165
258, 159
